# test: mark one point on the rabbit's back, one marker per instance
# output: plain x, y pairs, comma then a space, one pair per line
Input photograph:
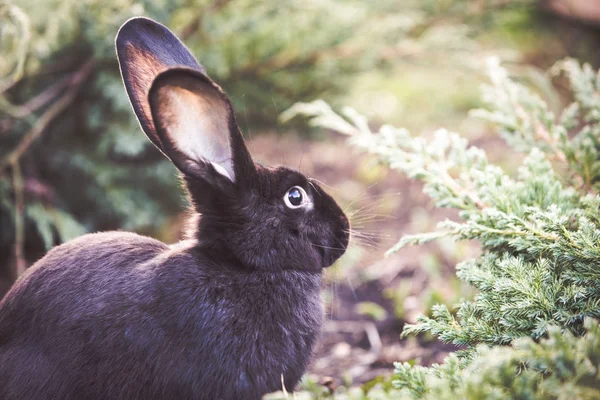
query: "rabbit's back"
93, 266
117, 315
67, 305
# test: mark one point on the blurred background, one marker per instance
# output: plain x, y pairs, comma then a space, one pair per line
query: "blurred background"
73, 159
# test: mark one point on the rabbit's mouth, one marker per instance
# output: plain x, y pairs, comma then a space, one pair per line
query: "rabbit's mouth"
332, 252
339, 242
323, 254
327, 256
333, 255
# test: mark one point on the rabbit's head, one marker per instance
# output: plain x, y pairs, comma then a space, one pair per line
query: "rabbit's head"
265, 218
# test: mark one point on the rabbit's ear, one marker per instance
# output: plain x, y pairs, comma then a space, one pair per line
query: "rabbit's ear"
144, 49
185, 114
194, 119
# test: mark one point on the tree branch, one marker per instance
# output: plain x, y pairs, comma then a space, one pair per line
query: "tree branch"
20, 262
37, 102
45, 119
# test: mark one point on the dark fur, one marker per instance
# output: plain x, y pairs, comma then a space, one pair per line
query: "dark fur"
226, 314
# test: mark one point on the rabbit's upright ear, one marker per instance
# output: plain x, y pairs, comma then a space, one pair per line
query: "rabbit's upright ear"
183, 112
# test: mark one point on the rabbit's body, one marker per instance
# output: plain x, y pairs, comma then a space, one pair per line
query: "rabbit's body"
231, 313
163, 330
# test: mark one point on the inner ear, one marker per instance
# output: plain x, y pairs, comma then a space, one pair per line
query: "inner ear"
144, 49
192, 118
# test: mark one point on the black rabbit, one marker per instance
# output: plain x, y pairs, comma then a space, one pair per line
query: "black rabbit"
231, 313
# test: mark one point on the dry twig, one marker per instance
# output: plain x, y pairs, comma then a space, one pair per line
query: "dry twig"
12, 159
20, 263
47, 117
37, 102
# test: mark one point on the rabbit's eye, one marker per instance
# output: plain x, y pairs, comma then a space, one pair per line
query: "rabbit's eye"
296, 197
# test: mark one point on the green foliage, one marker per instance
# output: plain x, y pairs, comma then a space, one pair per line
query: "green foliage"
539, 234
379, 389
539, 228
560, 366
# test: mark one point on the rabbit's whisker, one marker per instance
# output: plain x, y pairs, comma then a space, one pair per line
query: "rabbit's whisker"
365, 224
355, 217
367, 208
370, 234
362, 242
366, 239
301, 158
327, 247
313, 186
321, 183
359, 197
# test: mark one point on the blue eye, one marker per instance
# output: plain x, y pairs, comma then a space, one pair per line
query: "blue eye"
296, 197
